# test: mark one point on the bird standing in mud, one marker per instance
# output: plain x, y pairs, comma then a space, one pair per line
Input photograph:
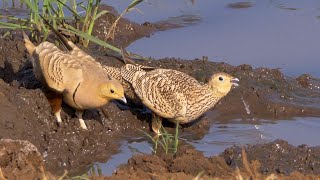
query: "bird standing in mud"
74, 77
175, 95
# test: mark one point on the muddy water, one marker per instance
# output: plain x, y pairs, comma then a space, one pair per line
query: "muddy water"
279, 34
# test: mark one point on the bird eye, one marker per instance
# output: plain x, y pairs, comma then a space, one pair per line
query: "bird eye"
220, 78
112, 91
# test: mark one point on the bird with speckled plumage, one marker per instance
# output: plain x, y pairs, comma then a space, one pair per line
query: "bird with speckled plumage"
74, 77
175, 95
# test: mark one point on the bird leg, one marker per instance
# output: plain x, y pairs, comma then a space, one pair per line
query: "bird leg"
79, 114
156, 123
55, 101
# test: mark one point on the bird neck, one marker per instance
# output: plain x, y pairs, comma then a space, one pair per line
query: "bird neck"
214, 92
102, 95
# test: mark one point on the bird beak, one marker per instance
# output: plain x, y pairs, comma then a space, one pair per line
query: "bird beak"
123, 99
235, 81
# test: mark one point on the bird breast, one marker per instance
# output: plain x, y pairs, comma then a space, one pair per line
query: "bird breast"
84, 97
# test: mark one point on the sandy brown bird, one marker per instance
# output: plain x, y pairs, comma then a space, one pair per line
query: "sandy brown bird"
111, 71
74, 77
175, 95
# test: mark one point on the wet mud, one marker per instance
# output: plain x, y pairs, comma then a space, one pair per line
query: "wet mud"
26, 115
273, 160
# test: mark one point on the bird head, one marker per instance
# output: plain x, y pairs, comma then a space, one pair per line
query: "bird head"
222, 83
112, 89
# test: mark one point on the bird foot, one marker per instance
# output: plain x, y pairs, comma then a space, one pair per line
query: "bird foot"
82, 124
59, 124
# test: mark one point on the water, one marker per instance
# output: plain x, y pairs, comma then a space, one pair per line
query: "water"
222, 135
296, 132
272, 33
127, 150
269, 33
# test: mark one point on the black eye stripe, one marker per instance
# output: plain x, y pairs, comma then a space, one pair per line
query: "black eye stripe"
112, 91
221, 78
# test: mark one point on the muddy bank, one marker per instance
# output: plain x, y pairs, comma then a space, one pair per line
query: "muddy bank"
275, 160
26, 115
127, 31
278, 157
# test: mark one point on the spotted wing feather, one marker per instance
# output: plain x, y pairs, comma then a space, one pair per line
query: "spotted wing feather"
161, 90
52, 66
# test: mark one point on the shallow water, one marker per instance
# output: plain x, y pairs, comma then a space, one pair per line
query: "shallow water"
127, 150
270, 33
278, 33
222, 135
296, 132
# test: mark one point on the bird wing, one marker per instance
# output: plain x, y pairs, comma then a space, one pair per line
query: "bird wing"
56, 68
162, 91
81, 55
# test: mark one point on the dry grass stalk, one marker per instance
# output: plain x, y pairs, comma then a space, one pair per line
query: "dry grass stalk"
1, 175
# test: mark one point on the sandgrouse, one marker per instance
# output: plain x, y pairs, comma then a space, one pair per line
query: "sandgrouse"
175, 95
114, 72
74, 77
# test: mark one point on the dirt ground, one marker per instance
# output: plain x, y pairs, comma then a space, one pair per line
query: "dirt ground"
25, 115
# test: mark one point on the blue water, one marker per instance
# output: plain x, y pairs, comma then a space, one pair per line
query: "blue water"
281, 34
296, 132
276, 34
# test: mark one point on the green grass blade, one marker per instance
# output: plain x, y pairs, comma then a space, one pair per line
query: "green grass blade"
31, 6
13, 18
72, 11
176, 140
133, 4
100, 14
91, 38
13, 26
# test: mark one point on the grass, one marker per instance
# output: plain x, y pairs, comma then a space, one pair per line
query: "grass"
167, 141
1, 174
55, 12
112, 29
94, 171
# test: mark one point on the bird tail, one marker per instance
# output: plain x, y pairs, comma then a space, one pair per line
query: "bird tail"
127, 60
29, 45
128, 71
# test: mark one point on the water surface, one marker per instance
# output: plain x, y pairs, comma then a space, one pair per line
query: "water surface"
269, 33
281, 34
222, 135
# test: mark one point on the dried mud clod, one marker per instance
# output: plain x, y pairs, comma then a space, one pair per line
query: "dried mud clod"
277, 157
21, 159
